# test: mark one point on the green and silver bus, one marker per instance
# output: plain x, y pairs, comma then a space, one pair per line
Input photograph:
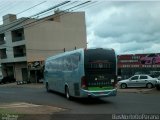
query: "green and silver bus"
82, 73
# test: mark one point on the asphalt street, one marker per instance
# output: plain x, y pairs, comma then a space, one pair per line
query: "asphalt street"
124, 102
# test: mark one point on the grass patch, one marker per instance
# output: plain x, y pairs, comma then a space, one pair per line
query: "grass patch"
6, 111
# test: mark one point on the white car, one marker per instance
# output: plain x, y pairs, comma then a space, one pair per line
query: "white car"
138, 81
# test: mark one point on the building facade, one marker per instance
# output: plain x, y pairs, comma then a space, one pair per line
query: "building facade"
132, 64
25, 43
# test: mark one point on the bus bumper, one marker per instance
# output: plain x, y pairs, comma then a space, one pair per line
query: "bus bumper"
104, 93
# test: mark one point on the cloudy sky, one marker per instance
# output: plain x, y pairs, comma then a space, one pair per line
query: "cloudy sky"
126, 26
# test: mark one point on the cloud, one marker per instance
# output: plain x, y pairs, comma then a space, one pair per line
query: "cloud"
129, 27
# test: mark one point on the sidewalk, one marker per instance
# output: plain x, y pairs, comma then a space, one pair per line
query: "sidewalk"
30, 85
138, 90
41, 85
27, 111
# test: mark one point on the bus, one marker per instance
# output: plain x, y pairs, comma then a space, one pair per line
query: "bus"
82, 73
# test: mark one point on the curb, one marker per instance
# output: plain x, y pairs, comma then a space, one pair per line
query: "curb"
145, 91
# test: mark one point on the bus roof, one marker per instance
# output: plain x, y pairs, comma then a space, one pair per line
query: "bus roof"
73, 51
63, 54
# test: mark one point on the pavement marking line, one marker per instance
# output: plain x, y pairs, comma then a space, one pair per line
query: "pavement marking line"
19, 105
27, 108
6, 92
135, 90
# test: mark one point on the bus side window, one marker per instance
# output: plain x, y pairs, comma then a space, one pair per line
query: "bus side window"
77, 56
64, 64
47, 67
75, 60
68, 63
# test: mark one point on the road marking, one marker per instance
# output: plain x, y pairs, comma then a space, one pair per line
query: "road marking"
13, 105
6, 92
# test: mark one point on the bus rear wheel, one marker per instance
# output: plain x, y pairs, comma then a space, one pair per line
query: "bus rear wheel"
67, 93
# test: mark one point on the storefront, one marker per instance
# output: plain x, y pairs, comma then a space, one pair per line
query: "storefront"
35, 71
132, 64
23, 71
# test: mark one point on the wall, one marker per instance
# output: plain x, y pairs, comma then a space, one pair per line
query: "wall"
50, 37
18, 70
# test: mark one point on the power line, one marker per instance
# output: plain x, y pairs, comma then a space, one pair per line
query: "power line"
9, 7
4, 6
63, 3
90, 5
22, 12
65, 13
51, 8
44, 21
58, 14
2, 3
30, 8
71, 3
47, 11
71, 9
37, 50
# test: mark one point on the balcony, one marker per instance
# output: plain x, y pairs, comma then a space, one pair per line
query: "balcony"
2, 38
18, 35
3, 54
19, 51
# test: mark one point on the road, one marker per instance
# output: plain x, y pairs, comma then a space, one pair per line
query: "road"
124, 102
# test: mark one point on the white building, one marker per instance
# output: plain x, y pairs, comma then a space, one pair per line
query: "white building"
26, 42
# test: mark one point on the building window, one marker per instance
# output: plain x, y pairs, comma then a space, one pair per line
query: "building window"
19, 51
2, 38
18, 35
3, 54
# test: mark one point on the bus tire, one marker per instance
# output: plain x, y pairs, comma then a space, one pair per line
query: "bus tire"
47, 87
67, 93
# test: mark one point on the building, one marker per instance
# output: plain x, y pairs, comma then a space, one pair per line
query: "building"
132, 64
25, 43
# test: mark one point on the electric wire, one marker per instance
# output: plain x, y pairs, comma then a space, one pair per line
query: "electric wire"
22, 12
54, 49
58, 15
9, 7
56, 6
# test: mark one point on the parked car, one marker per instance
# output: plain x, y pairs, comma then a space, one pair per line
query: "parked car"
158, 85
150, 59
138, 81
7, 79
